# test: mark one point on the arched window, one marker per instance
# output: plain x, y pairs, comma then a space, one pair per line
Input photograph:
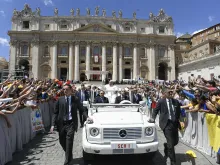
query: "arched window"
96, 50
24, 50
161, 29
63, 50
127, 51
46, 51
161, 52
109, 51
142, 52
83, 51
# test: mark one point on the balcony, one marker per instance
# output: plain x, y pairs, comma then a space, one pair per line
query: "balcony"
46, 56
164, 59
128, 56
63, 55
143, 57
24, 55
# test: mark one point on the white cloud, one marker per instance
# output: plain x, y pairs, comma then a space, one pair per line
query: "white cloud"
4, 42
2, 13
48, 2
197, 31
179, 34
211, 18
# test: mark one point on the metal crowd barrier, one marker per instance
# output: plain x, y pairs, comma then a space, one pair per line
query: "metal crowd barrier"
196, 133
12, 139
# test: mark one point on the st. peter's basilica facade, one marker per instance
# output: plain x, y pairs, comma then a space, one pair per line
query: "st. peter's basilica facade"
92, 46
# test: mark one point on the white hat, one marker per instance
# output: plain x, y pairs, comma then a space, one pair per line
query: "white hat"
126, 89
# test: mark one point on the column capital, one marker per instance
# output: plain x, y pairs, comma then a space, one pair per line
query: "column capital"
35, 43
114, 43
104, 43
121, 44
54, 42
135, 44
171, 47
13, 42
77, 42
151, 45
88, 43
70, 42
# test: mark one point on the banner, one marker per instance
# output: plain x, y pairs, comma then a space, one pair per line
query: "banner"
96, 58
36, 119
213, 123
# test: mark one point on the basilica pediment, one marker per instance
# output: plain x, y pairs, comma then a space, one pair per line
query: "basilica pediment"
96, 28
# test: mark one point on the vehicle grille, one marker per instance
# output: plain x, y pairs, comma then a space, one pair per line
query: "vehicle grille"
113, 133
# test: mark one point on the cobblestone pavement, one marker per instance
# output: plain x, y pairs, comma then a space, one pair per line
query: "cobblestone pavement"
45, 149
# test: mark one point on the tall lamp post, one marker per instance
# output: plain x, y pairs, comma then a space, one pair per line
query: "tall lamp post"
22, 67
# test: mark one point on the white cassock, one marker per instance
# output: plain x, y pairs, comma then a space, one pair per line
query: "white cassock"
111, 93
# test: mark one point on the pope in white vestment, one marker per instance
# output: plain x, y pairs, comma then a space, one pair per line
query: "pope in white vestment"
111, 92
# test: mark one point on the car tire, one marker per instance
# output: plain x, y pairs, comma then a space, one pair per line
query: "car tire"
151, 154
87, 157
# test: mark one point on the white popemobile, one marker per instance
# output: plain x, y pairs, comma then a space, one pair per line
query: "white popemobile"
118, 129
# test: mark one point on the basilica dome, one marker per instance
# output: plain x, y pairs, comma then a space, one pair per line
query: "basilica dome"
3, 63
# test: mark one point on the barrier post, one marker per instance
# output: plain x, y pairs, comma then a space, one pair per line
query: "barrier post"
218, 156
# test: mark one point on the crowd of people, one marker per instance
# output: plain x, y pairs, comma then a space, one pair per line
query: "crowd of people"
198, 95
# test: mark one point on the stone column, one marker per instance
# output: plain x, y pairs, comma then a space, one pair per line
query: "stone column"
103, 60
12, 57
71, 61
54, 62
88, 60
151, 64
135, 59
172, 63
76, 78
35, 59
115, 65
120, 63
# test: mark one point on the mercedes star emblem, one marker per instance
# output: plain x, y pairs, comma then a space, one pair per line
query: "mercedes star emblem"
122, 133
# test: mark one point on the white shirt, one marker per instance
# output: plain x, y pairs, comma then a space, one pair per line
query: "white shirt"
70, 115
184, 102
168, 106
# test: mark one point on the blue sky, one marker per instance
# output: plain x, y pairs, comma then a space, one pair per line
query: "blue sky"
188, 15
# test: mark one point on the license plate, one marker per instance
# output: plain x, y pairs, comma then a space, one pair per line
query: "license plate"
123, 145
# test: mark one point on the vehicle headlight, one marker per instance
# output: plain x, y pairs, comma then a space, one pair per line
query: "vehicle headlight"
94, 132
149, 131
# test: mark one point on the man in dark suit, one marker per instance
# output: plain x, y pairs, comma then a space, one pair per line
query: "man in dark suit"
122, 97
101, 98
136, 97
65, 117
169, 109
83, 95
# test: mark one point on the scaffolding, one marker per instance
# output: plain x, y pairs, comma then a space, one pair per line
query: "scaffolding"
15, 74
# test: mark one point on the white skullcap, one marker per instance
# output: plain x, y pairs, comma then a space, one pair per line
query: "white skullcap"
126, 89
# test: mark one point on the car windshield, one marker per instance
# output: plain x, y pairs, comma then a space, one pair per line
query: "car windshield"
110, 96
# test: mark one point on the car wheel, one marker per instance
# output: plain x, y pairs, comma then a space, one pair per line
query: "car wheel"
151, 154
87, 157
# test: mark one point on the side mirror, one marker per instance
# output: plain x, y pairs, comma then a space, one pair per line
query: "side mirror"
143, 103
85, 103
